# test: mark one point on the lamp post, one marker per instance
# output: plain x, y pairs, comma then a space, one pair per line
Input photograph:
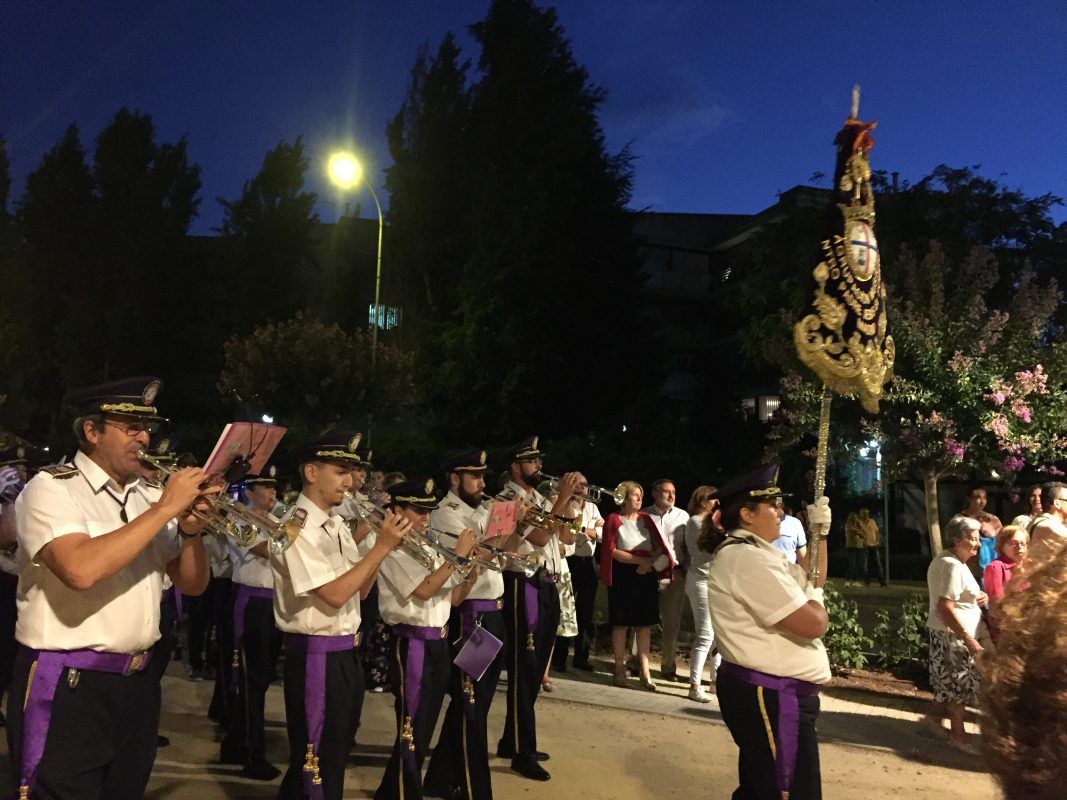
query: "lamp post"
345, 172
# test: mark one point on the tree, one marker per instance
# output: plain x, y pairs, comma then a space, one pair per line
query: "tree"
310, 375
980, 390
268, 240
429, 140
547, 273
146, 198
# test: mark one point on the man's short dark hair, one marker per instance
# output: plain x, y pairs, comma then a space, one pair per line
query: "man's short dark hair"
1049, 492
659, 483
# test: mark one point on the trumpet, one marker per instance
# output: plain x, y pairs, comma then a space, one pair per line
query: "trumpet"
228, 517
594, 492
415, 541
529, 563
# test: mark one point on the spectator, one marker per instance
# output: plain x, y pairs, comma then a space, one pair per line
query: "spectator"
855, 549
791, 539
1033, 510
1024, 720
701, 504
955, 613
631, 551
670, 521
1012, 544
990, 525
1048, 529
872, 545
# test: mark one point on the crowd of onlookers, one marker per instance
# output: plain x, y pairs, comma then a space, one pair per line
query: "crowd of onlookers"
996, 638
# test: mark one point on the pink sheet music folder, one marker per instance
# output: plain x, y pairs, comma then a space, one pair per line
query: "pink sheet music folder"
501, 519
253, 440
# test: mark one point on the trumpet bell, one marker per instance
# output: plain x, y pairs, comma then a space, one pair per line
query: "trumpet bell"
287, 532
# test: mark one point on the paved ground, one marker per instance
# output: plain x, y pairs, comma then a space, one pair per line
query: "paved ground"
606, 743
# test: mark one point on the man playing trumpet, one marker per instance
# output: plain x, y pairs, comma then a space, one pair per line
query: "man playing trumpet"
93, 549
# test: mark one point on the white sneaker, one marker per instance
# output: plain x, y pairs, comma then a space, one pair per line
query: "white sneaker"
698, 695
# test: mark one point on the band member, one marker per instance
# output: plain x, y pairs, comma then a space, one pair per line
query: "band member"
531, 609
256, 639
170, 607
13, 477
768, 618
583, 570
318, 582
459, 766
93, 550
417, 586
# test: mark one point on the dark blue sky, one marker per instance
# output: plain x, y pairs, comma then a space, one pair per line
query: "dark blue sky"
724, 104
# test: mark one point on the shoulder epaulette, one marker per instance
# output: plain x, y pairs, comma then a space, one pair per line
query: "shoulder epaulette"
453, 506
61, 471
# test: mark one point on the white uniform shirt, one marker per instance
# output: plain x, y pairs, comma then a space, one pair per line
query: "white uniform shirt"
752, 587
249, 569
549, 552
582, 545
120, 614
323, 551
452, 515
398, 577
218, 555
671, 524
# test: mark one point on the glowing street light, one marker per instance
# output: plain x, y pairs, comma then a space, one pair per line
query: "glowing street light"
345, 173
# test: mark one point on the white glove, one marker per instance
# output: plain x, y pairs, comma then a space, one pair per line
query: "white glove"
819, 516
814, 594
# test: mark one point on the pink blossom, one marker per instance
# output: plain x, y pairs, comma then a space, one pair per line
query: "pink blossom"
999, 426
959, 362
954, 449
1013, 463
997, 398
1021, 410
1035, 382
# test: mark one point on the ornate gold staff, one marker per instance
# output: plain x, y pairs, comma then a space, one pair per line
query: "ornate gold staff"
844, 340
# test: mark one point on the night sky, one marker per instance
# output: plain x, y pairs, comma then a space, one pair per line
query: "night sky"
724, 104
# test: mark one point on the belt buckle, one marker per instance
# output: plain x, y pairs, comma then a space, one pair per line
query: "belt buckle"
355, 641
135, 663
499, 604
444, 631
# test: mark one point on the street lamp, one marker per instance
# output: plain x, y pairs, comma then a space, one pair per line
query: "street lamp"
345, 173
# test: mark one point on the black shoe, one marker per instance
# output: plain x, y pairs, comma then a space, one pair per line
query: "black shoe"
444, 792
559, 667
261, 771
529, 768
670, 675
540, 755
584, 665
162, 741
232, 757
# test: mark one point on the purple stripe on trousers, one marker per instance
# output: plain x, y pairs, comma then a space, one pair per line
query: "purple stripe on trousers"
417, 636
315, 649
41, 690
787, 733
244, 594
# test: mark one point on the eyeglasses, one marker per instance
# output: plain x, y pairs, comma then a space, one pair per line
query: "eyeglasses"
132, 429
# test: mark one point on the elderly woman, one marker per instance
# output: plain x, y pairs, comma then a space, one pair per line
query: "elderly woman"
630, 556
956, 603
696, 588
1012, 543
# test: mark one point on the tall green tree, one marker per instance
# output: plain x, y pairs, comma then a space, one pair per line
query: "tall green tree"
541, 273
268, 249
429, 186
146, 198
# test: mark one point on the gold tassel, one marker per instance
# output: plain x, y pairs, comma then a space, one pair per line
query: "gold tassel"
236, 658
468, 688
407, 733
529, 642
310, 759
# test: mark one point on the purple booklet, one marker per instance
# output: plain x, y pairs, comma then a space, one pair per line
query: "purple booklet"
477, 652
